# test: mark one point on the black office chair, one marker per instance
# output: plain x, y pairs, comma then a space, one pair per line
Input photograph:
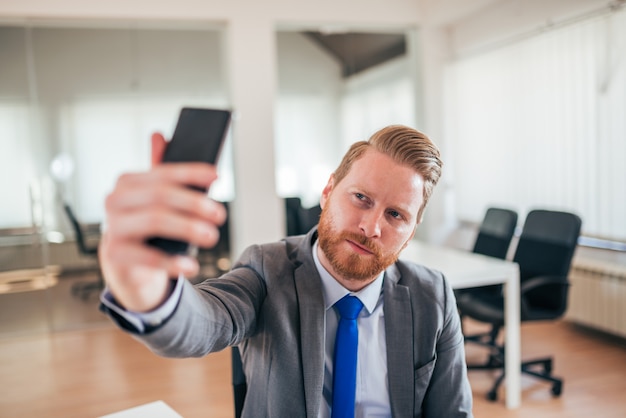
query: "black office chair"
299, 219
310, 217
544, 254
495, 233
240, 387
493, 239
293, 211
84, 289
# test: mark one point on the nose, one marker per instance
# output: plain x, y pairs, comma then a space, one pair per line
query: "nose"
370, 223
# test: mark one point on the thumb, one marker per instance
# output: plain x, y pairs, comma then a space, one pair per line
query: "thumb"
158, 148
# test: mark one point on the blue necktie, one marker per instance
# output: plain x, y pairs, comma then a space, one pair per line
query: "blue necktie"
344, 369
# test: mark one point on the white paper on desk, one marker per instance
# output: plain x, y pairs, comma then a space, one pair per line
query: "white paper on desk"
157, 409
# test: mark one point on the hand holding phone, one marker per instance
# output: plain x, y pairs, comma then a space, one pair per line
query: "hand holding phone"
198, 137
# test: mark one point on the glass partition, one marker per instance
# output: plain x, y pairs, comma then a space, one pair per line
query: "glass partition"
78, 105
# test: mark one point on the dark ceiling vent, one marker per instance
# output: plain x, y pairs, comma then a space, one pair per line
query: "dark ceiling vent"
359, 51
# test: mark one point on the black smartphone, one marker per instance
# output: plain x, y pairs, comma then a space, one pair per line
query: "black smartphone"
199, 136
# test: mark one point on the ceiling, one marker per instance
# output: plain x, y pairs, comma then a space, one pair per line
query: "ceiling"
357, 51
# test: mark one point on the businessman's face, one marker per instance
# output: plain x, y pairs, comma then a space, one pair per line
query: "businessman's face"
368, 218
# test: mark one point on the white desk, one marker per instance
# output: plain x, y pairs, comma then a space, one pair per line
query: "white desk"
465, 269
156, 409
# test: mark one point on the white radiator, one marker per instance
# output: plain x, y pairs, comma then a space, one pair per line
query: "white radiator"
597, 296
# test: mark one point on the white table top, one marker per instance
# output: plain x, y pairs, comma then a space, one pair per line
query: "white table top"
156, 409
461, 268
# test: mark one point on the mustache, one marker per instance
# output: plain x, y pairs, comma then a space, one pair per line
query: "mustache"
363, 241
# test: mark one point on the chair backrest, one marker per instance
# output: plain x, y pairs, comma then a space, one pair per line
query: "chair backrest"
81, 242
299, 219
223, 245
495, 233
547, 243
546, 247
310, 218
293, 209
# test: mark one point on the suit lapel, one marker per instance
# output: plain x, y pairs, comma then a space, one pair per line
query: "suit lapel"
399, 336
312, 326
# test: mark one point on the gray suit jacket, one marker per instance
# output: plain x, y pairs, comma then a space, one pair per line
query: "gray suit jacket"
271, 305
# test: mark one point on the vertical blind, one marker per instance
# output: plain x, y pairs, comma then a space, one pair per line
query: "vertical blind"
541, 123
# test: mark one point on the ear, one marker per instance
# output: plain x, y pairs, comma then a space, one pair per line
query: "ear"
327, 190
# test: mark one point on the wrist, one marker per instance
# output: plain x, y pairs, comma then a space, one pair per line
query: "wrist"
145, 297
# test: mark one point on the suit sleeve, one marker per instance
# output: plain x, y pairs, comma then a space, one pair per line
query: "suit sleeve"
213, 314
449, 393
141, 322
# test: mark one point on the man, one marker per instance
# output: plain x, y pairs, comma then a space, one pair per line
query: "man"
277, 303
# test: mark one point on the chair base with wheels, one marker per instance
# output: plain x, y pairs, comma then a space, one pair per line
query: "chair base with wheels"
539, 368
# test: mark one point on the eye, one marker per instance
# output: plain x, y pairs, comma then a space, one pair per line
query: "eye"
395, 214
361, 200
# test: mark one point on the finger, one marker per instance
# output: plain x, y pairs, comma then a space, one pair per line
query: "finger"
130, 257
167, 197
139, 226
183, 174
190, 173
158, 145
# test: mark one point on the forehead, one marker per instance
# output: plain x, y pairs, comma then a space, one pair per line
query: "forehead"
383, 178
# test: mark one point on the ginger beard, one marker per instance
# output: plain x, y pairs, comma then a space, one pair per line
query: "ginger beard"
350, 265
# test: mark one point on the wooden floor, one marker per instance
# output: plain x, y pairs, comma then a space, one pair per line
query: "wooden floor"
99, 370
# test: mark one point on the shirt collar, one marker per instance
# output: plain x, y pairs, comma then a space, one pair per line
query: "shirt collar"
333, 291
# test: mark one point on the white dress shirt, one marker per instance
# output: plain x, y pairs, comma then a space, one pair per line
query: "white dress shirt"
372, 388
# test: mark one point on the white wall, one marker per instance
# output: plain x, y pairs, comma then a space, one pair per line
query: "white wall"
363, 12
503, 20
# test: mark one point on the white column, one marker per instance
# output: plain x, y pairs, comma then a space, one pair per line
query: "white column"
428, 50
257, 215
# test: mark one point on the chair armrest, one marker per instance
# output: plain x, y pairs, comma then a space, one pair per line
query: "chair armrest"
539, 281
530, 285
